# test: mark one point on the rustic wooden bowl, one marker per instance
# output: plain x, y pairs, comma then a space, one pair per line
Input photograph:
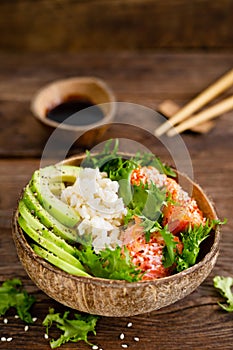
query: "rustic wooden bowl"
90, 88
120, 298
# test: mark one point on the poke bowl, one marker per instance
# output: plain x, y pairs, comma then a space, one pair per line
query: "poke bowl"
141, 243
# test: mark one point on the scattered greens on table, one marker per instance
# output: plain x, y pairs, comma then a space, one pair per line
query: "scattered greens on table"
224, 285
12, 295
73, 330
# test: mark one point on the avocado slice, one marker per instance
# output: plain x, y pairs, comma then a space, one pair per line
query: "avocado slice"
39, 238
40, 186
56, 261
56, 188
36, 225
46, 219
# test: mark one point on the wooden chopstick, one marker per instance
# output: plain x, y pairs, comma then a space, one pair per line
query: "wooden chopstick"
168, 108
207, 114
203, 98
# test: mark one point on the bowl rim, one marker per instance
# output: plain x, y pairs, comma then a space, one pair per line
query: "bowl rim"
213, 251
82, 79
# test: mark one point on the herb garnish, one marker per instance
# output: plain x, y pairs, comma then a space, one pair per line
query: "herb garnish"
97, 161
111, 152
149, 159
191, 240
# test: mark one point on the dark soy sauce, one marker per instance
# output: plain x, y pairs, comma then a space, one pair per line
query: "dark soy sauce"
70, 107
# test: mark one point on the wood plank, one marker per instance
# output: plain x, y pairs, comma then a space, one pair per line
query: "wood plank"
70, 26
145, 79
15, 174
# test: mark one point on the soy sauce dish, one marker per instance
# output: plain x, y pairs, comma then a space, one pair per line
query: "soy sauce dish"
75, 105
114, 234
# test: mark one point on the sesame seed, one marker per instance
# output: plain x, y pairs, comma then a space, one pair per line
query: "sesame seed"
129, 324
16, 316
3, 338
26, 328
46, 336
122, 336
124, 346
95, 347
136, 338
5, 320
9, 339
34, 319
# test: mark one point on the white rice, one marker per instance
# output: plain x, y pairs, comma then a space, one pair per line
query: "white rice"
95, 198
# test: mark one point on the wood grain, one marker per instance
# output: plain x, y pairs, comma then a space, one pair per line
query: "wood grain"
159, 77
71, 26
196, 322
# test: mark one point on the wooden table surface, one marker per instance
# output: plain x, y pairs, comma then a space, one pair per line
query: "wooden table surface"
196, 322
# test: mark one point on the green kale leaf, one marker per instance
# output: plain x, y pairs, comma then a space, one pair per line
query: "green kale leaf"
74, 330
110, 264
12, 295
224, 284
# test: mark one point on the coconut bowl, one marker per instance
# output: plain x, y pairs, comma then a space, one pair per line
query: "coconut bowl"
114, 297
